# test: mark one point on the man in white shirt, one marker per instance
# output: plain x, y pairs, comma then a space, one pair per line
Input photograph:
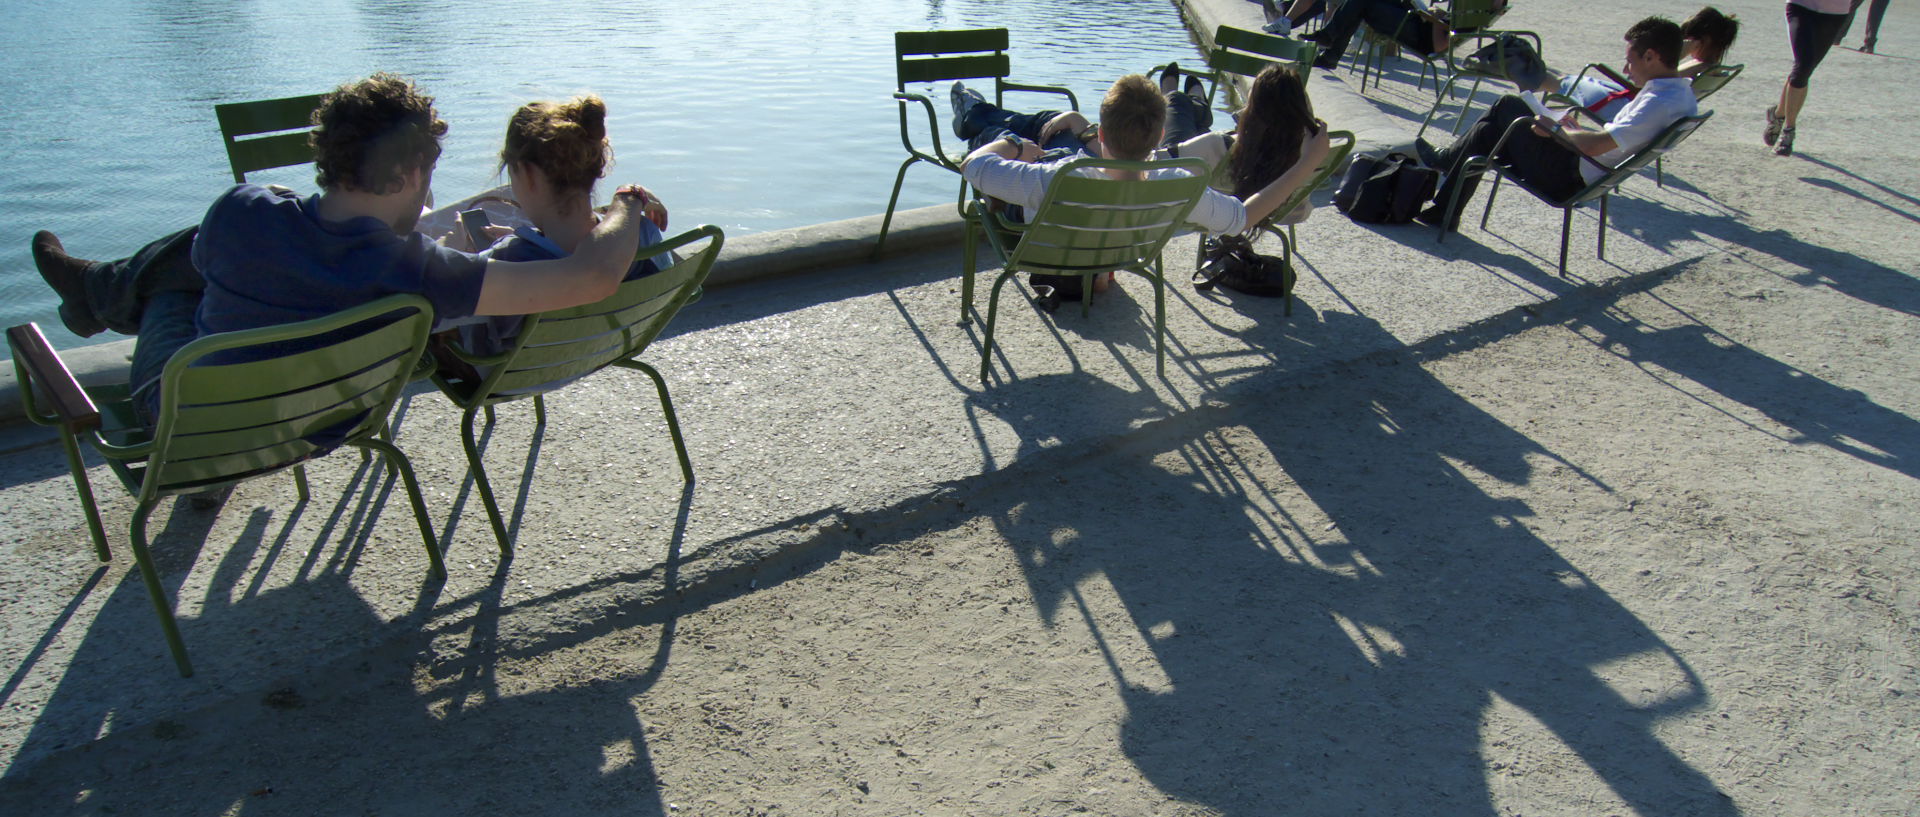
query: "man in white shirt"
1552, 163
1132, 118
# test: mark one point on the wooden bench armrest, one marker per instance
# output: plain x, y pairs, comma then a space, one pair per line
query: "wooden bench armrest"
36, 358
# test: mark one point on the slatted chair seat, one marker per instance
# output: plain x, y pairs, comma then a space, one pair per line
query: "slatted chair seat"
553, 349
233, 407
1089, 223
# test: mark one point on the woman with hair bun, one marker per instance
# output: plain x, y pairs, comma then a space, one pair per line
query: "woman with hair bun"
553, 155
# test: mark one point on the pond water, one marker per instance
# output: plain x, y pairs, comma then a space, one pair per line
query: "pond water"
750, 115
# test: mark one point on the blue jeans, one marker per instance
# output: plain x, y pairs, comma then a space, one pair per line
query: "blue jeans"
152, 295
986, 122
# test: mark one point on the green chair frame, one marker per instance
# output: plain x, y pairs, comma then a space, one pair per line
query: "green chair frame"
1479, 73
1238, 52
1468, 22
1705, 84
1601, 188
267, 133
558, 347
222, 423
1340, 145
1087, 224
945, 56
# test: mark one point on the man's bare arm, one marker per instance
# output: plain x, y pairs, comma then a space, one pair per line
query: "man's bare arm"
590, 274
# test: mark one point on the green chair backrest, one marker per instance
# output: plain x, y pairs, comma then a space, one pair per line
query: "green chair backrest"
1469, 15
1667, 140
267, 133
940, 56
558, 347
1713, 79
1339, 145
221, 423
1090, 221
1247, 53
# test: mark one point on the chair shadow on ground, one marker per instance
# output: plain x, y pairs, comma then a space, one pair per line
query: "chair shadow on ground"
402, 728
1820, 412
241, 628
1346, 666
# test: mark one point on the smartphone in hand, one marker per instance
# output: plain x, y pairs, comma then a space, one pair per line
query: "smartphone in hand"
475, 222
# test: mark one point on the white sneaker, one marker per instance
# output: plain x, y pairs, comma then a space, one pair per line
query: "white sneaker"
1281, 26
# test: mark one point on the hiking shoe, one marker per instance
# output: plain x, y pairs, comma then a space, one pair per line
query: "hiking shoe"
1785, 148
1774, 123
964, 99
63, 273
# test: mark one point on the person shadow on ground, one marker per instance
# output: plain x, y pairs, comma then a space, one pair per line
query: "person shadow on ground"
1339, 649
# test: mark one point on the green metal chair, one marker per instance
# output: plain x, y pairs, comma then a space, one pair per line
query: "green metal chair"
555, 348
1340, 144
267, 133
946, 56
1600, 188
1468, 23
1705, 84
1238, 52
1089, 223
221, 423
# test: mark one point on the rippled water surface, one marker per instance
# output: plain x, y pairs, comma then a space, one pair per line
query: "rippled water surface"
751, 115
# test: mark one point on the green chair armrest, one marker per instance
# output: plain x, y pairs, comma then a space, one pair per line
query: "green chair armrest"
939, 154
1072, 101
35, 361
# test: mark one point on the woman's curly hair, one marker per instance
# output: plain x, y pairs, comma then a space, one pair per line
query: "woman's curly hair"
567, 141
368, 134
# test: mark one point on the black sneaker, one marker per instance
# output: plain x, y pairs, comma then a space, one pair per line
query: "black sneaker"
1429, 155
63, 273
1046, 298
1433, 215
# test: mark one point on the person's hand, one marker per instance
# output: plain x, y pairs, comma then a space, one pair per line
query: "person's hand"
645, 202
1544, 126
1069, 121
1023, 150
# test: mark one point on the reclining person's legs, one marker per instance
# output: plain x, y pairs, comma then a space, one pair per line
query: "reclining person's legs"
97, 295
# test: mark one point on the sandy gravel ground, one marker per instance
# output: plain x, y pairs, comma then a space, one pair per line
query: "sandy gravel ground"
1644, 550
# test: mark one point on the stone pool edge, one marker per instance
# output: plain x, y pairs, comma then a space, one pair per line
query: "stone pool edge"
749, 258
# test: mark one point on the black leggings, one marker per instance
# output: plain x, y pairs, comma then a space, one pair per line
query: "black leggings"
1811, 34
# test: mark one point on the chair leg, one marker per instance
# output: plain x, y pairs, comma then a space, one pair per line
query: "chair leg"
436, 567
1200, 253
1488, 210
1086, 296
78, 468
1602, 251
1566, 228
969, 257
540, 411
993, 309
479, 471
1159, 320
300, 481
162, 605
673, 420
899, 179
1660, 171
1286, 261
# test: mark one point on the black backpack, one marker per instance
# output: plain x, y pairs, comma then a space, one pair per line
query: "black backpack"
1386, 189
